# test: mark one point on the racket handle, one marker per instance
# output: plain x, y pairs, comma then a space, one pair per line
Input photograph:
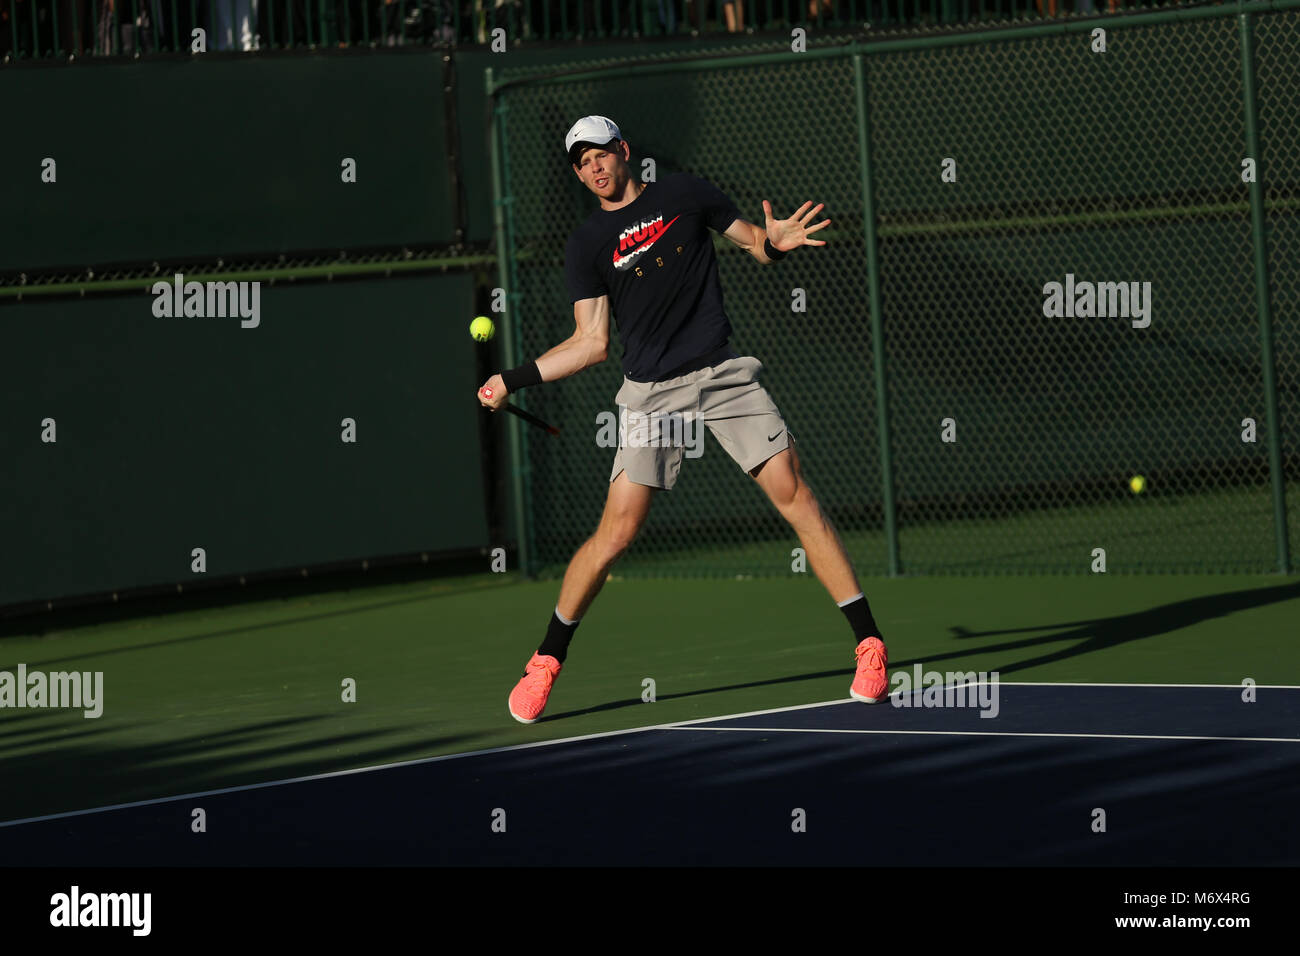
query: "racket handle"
486, 392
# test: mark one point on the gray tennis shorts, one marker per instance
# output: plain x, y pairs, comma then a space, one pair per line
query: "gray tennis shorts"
662, 422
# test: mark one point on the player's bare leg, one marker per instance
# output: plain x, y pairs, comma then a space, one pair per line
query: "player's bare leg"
626, 507
782, 480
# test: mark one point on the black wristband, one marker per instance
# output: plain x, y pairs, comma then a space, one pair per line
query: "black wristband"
772, 253
521, 377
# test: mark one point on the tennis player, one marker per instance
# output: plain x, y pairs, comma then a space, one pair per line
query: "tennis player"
645, 258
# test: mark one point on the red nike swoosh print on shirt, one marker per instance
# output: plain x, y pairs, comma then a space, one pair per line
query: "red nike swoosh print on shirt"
655, 237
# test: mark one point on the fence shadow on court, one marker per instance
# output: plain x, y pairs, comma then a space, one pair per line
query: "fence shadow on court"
108, 773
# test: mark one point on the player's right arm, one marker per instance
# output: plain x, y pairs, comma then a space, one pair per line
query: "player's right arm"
587, 346
589, 343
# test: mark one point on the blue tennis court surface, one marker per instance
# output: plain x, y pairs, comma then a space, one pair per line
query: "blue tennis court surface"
1185, 775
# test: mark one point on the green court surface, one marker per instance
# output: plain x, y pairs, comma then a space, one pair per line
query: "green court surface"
218, 697
1213, 531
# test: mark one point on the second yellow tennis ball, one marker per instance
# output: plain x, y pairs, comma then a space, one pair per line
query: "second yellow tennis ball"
1137, 484
482, 329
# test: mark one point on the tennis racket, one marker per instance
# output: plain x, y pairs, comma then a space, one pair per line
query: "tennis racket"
526, 416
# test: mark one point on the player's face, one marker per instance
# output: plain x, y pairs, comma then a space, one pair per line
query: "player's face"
604, 172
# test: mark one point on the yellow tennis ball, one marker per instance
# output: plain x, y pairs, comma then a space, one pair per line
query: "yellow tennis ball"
482, 329
1137, 484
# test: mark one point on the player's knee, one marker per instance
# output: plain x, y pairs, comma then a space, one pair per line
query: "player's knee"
801, 507
786, 491
618, 537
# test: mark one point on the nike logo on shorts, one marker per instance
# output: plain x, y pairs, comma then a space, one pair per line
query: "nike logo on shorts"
774, 437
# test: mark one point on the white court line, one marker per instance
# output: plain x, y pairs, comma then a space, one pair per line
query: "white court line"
1071, 683
675, 725
975, 733
402, 763
1047, 683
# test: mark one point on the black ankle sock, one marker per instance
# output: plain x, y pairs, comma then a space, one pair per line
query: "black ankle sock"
558, 635
858, 613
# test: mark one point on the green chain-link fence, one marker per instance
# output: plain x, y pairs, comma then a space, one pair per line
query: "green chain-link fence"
1071, 165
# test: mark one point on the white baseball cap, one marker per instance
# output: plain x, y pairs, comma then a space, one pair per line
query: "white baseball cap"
590, 131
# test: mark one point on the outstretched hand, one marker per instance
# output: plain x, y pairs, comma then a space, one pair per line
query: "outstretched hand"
787, 234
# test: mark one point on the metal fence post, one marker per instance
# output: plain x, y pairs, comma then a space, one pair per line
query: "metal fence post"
510, 327
877, 320
1245, 25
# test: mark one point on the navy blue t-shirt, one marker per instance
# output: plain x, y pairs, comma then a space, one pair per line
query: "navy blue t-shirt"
654, 259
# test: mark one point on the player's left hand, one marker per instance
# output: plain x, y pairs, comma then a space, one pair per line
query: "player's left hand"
498, 393
787, 234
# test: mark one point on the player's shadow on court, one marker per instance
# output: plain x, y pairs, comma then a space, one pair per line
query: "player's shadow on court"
1089, 636
1098, 634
